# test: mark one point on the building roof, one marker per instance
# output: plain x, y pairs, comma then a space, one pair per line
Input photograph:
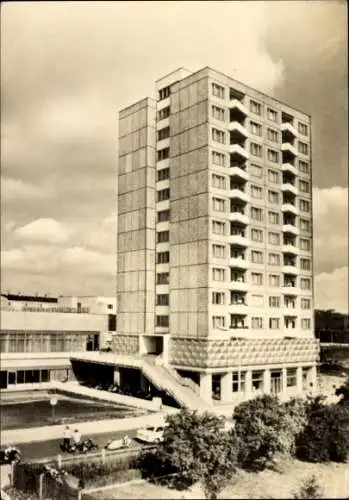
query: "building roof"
14, 297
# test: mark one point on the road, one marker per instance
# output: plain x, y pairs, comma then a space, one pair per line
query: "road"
51, 448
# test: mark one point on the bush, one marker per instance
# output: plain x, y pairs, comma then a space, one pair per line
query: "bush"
309, 489
326, 436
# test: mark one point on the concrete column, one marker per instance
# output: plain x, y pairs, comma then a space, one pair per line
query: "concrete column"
226, 387
284, 383
116, 376
248, 383
266, 381
299, 380
166, 340
144, 385
313, 380
206, 386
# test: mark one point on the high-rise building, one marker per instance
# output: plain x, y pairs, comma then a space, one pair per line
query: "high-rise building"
215, 265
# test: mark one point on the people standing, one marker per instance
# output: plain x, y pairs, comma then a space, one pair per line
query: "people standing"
67, 435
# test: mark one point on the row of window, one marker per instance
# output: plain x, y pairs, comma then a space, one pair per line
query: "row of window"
257, 235
257, 257
257, 322
219, 274
257, 109
219, 298
220, 182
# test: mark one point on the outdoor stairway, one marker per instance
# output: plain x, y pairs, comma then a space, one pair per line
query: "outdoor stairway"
183, 390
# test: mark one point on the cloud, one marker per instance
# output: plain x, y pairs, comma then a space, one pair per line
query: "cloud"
42, 230
16, 190
330, 228
331, 290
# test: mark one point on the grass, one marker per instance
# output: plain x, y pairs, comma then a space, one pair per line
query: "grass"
283, 483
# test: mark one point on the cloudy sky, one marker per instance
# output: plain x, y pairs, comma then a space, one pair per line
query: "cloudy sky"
66, 68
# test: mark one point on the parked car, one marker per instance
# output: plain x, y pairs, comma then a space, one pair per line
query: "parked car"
118, 444
151, 434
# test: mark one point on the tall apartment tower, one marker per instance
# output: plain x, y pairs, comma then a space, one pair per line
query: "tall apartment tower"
215, 265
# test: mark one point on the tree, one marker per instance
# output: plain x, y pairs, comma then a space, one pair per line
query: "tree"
343, 391
309, 489
199, 450
263, 428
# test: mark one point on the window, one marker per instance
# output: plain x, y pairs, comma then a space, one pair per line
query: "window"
218, 298
274, 259
305, 303
272, 135
163, 174
162, 278
257, 235
257, 380
164, 194
274, 302
164, 133
305, 324
256, 170
304, 187
218, 135
256, 128
256, 149
274, 323
273, 156
163, 258
163, 216
291, 377
218, 90
162, 321
218, 159
218, 227
304, 244
237, 276
303, 166
304, 206
218, 181
256, 300
163, 154
273, 238
272, 115
162, 300
304, 225
257, 322
303, 148
218, 274
218, 321
218, 113
164, 93
305, 283
239, 381
257, 279
218, 251
273, 197
256, 192
274, 280
163, 236
273, 176
218, 204
164, 113
305, 264
257, 214
257, 257
255, 107
273, 217
303, 128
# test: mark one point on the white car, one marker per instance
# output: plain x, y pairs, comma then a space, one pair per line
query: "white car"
151, 434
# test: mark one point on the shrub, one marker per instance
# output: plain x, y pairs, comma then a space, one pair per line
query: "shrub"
309, 489
326, 436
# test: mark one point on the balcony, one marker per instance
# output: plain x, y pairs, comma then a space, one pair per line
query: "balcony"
239, 240
240, 286
235, 104
239, 218
238, 309
288, 128
288, 187
289, 208
289, 289
290, 228
238, 172
287, 147
289, 248
289, 168
238, 263
238, 151
237, 194
239, 130
290, 269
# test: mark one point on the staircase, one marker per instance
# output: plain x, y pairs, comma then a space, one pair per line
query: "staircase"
183, 390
